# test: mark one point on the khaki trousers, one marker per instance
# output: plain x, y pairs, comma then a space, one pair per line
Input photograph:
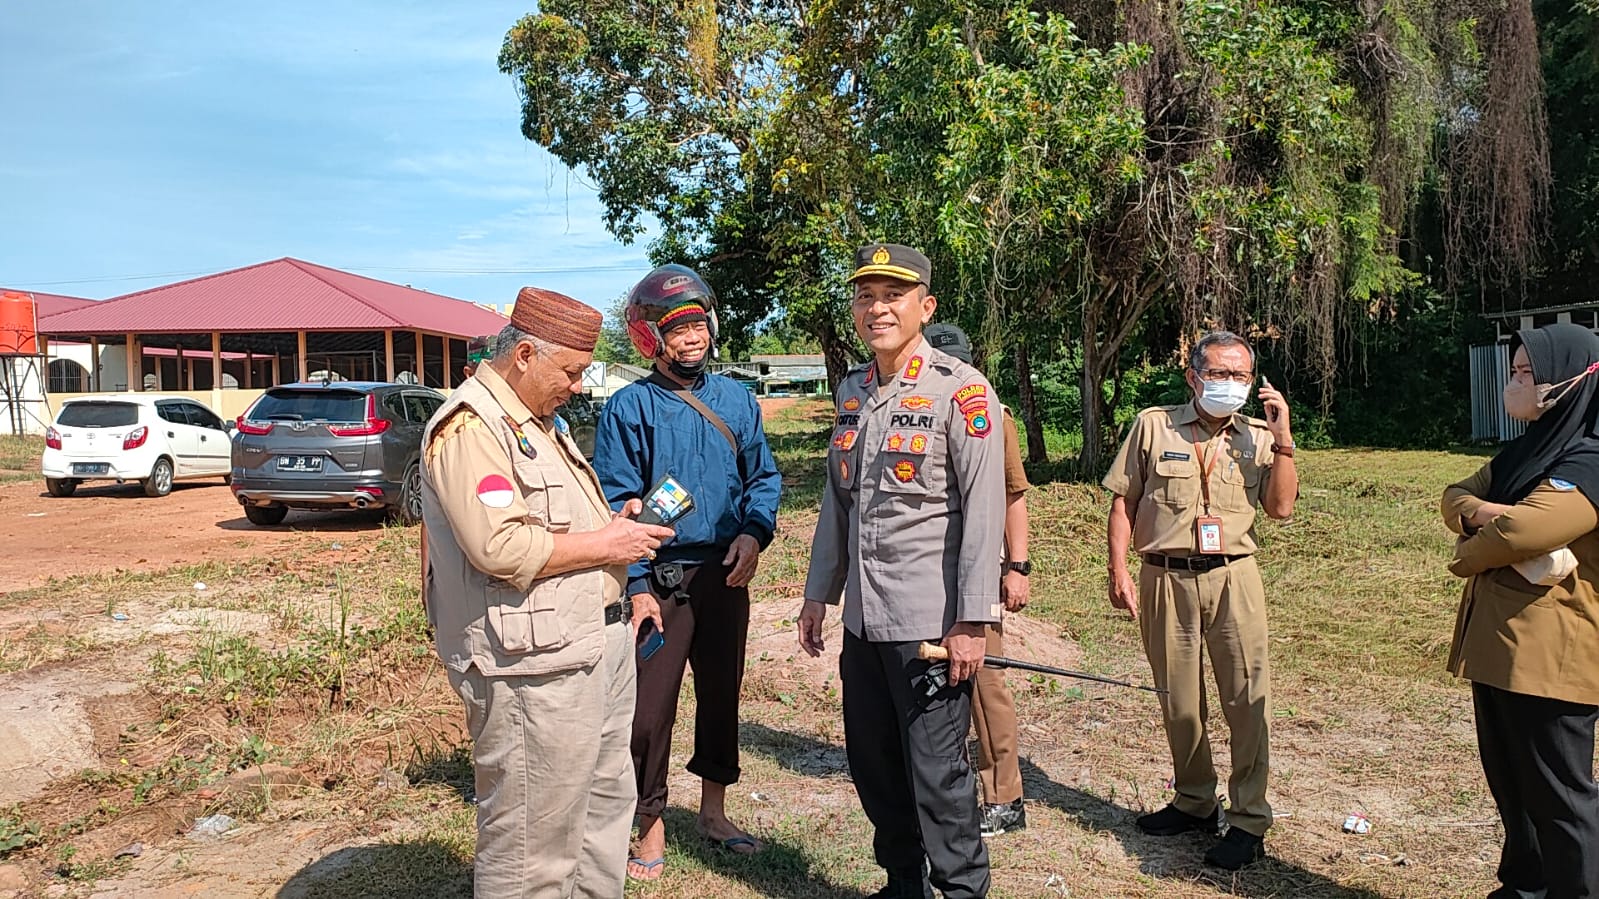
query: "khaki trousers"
994, 719
554, 777
1181, 613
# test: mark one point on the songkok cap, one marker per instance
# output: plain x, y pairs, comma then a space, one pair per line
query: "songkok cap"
894, 261
557, 318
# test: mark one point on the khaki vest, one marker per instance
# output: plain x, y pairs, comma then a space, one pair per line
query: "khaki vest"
488, 623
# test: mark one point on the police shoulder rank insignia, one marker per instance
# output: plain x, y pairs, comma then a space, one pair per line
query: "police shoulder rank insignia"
522, 443
904, 470
895, 441
917, 403
913, 368
977, 422
1558, 484
851, 404
919, 443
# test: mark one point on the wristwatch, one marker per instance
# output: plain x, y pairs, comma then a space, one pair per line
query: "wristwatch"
1283, 449
1023, 568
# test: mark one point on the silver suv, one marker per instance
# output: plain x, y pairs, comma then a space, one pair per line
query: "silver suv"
334, 445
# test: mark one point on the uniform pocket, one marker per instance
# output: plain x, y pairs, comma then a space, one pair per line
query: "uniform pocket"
1176, 483
842, 456
908, 462
520, 624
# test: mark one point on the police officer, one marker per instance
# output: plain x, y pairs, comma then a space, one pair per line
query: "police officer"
524, 584
993, 708
910, 536
1186, 484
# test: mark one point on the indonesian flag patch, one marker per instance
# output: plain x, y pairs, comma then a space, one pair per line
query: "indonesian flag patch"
495, 492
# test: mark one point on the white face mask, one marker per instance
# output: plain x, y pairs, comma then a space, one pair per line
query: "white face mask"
1219, 399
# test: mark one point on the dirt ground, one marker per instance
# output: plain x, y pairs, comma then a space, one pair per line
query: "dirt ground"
105, 527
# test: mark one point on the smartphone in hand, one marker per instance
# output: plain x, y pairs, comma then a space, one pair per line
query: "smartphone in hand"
667, 501
653, 640
1271, 413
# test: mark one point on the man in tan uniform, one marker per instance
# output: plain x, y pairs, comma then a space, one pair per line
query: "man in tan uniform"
1186, 483
524, 587
993, 707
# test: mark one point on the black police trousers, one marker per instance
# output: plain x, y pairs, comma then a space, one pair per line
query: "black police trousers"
1537, 754
908, 758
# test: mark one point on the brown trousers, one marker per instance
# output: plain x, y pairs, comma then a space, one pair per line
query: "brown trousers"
1181, 614
994, 719
708, 633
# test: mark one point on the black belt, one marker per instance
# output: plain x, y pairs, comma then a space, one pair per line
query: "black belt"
621, 610
1189, 563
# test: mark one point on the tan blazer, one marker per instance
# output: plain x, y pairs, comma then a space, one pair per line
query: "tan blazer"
1513, 634
492, 502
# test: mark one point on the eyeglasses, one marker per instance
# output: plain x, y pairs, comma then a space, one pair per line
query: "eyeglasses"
1225, 374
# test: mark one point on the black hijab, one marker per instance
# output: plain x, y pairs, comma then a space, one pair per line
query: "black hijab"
1562, 443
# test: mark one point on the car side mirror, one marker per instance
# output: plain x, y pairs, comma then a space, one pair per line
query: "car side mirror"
229, 426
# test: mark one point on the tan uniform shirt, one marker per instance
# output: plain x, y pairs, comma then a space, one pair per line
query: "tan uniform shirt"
1015, 473
1158, 471
1516, 635
498, 483
912, 525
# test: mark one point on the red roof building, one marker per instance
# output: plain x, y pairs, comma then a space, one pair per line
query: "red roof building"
277, 322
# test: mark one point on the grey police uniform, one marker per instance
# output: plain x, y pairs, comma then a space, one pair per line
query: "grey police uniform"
911, 536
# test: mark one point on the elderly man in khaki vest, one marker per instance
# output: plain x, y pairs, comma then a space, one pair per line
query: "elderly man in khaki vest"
524, 574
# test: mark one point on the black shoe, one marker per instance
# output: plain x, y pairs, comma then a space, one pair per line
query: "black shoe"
905, 886
1237, 849
998, 819
1171, 821
1508, 892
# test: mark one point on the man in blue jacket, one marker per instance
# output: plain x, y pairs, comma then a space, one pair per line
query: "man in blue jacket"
705, 431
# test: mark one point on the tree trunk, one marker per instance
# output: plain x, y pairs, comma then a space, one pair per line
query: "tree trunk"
834, 350
1031, 420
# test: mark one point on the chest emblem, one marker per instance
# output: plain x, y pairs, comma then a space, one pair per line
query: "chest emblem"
851, 404
522, 443
845, 441
919, 443
904, 471
843, 469
916, 403
495, 492
895, 441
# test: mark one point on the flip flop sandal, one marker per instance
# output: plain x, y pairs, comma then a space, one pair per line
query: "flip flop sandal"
731, 842
648, 866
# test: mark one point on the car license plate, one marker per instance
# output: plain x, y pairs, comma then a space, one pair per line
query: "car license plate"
299, 463
91, 468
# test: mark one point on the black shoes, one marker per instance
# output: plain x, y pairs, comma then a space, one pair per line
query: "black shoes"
1237, 849
1171, 821
998, 819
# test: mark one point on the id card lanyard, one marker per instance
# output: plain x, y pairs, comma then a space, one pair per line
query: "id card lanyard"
1207, 527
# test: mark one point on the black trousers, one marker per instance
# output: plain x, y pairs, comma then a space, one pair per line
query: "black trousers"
708, 633
1537, 754
908, 758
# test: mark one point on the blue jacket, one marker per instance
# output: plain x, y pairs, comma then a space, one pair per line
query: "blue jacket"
646, 432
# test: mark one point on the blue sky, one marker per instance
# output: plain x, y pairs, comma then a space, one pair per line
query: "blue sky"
162, 138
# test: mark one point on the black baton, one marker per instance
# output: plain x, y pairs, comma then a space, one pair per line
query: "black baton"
932, 652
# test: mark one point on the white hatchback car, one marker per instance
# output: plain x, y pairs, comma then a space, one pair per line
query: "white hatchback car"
144, 437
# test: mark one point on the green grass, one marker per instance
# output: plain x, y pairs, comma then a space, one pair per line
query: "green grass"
344, 684
21, 453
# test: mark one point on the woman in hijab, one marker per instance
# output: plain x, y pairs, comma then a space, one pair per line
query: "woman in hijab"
1527, 633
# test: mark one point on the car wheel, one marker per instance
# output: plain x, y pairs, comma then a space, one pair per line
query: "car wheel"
266, 515
409, 508
159, 483
60, 486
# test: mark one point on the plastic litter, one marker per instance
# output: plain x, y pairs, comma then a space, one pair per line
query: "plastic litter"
1357, 823
199, 585
213, 826
119, 616
760, 797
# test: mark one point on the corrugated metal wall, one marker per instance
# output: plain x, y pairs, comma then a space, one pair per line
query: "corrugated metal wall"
1490, 371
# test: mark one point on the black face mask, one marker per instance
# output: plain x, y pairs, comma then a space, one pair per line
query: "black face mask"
688, 371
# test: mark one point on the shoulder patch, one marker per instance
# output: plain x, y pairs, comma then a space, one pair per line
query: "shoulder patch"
1561, 485
462, 419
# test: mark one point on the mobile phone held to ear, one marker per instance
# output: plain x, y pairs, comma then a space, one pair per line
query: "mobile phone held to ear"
667, 502
1271, 414
653, 640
